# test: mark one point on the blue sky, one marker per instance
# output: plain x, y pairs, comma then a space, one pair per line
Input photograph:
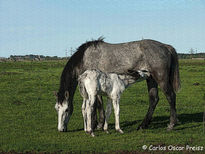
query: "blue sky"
49, 27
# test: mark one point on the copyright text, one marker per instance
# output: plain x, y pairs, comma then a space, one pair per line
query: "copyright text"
172, 148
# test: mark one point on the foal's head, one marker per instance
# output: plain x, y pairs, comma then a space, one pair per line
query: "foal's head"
63, 109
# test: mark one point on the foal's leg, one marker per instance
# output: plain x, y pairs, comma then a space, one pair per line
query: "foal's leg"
153, 100
116, 106
107, 114
90, 108
84, 114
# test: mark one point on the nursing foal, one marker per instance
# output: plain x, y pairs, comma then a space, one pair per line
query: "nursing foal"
95, 82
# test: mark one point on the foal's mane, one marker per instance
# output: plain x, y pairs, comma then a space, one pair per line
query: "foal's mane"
69, 75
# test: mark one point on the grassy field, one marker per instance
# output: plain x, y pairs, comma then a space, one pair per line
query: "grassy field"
28, 120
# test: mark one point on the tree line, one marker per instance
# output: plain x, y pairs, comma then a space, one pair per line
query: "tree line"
191, 55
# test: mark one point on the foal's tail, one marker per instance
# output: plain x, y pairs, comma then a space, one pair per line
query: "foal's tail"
174, 74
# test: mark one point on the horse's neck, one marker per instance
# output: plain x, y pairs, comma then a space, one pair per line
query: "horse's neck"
68, 83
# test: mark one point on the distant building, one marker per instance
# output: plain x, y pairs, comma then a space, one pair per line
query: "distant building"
198, 58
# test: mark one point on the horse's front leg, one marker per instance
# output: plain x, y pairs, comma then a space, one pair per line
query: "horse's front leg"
116, 106
153, 100
84, 114
89, 110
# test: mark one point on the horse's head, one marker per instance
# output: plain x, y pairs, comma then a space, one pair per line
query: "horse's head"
63, 109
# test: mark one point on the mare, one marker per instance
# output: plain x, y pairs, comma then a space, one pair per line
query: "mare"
157, 58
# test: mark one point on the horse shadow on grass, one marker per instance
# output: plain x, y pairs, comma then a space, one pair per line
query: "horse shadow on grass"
158, 122
76, 130
163, 121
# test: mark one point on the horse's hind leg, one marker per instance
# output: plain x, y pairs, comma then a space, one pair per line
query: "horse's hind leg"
89, 110
98, 105
116, 106
94, 115
101, 111
171, 98
153, 100
107, 114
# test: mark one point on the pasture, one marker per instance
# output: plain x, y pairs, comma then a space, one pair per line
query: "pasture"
28, 120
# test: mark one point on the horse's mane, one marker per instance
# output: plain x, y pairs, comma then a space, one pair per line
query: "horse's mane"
87, 44
73, 63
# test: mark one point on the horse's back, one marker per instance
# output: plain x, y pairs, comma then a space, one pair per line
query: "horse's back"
158, 59
119, 58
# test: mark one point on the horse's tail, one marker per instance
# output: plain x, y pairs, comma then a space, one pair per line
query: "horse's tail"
174, 74
82, 88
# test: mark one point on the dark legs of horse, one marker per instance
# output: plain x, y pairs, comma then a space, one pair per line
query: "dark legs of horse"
171, 98
98, 105
153, 100
94, 116
101, 112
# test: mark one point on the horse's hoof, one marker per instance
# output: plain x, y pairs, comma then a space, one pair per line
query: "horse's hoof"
170, 127
106, 131
92, 134
120, 131
88, 132
142, 126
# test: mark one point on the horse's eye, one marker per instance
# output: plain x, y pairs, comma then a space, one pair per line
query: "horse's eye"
66, 110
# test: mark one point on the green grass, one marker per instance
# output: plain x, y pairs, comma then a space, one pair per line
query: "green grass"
28, 120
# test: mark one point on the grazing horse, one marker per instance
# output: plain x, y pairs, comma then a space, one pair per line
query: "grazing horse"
159, 59
94, 82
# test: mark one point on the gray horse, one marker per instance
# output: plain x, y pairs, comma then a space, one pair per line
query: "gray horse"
159, 59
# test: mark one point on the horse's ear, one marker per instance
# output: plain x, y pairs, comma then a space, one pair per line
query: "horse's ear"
66, 94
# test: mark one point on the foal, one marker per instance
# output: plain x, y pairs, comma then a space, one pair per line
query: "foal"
95, 82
